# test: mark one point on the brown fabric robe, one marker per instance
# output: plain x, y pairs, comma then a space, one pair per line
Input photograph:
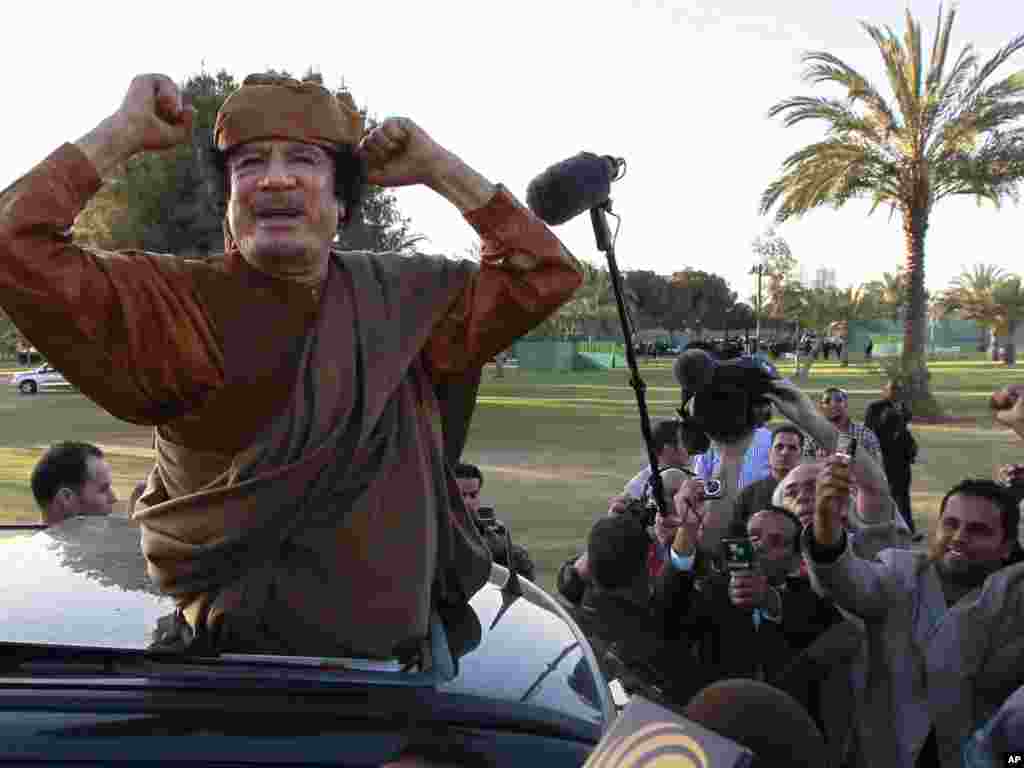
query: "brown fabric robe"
289, 510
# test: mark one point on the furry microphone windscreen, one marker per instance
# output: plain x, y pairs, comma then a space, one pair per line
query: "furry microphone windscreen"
694, 369
770, 723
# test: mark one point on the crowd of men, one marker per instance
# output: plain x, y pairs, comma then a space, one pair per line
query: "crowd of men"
905, 653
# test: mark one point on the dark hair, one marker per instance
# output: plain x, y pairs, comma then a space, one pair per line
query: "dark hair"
783, 512
827, 393
790, 429
665, 433
350, 175
64, 464
469, 472
1009, 512
617, 551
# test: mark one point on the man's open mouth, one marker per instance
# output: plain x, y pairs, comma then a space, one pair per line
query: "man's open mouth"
272, 214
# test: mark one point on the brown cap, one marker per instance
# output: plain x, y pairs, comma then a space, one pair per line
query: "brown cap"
274, 107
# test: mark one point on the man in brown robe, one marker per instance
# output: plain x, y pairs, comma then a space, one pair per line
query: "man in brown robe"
307, 402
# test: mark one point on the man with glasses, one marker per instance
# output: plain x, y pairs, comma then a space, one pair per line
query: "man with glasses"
835, 406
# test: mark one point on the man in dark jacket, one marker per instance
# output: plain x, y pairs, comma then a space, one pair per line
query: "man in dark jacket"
889, 419
746, 624
786, 448
617, 616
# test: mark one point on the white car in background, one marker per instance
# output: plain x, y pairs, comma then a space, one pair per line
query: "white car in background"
45, 377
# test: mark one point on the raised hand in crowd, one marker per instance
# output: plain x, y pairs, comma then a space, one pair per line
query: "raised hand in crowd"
832, 494
686, 525
874, 502
1008, 406
719, 511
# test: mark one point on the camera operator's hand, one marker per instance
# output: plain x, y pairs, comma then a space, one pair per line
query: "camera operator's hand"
832, 496
1008, 406
750, 590
800, 409
688, 518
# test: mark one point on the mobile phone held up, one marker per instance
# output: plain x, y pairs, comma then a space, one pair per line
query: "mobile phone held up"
846, 446
739, 554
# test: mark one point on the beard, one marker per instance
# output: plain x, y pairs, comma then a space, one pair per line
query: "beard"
966, 575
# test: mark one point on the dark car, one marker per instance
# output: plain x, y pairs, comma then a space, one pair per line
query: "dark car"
516, 683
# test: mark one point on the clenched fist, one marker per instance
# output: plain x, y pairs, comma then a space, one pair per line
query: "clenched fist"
399, 153
1008, 405
153, 114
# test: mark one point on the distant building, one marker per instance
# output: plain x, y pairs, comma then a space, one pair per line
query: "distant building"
824, 279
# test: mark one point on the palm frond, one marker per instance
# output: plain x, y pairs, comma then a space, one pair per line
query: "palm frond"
940, 49
823, 67
997, 60
895, 58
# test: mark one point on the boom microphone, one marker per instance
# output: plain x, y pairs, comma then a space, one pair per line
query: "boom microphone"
572, 186
694, 369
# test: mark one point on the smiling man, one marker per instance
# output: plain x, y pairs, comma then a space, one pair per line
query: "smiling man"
307, 403
943, 629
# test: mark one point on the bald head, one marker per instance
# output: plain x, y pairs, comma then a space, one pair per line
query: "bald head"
796, 491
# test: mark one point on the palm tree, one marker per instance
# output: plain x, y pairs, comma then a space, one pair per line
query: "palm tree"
890, 294
1008, 296
849, 306
970, 295
948, 132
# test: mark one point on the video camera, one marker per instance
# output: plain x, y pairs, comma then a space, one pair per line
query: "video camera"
725, 399
646, 509
488, 523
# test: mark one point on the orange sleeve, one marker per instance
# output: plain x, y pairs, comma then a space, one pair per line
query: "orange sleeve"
503, 300
128, 329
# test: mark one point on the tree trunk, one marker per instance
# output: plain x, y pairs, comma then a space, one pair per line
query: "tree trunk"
913, 362
1011, 346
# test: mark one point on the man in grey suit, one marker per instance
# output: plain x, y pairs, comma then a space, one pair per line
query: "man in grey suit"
943, 627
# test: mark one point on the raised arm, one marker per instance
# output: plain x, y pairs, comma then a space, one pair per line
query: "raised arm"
854, 584
525, 273
1008, 406
126, 329
865, 470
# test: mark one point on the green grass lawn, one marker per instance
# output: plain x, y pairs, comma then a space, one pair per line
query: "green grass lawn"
553, 446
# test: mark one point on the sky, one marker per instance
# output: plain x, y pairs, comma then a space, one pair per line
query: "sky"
681, 90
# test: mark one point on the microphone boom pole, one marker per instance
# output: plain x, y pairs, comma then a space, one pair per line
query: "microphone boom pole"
599, 220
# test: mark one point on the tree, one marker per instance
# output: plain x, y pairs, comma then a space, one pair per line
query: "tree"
699, 299
992, 299
164, 202
970, 296
890, 294
1008, 296
650, 295
740, 317
778, 266
950, 131
848, 306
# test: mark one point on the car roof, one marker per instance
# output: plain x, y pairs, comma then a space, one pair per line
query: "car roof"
83, 584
